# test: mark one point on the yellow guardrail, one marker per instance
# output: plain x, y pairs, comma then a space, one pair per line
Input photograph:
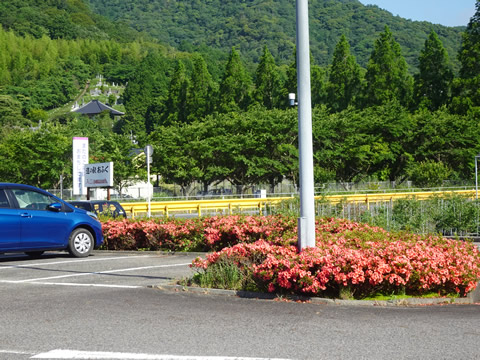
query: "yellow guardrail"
228, 206
387, 197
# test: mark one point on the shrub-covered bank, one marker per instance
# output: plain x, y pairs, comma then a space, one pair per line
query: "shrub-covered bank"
350, 260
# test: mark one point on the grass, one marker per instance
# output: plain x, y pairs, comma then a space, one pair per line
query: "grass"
224, 275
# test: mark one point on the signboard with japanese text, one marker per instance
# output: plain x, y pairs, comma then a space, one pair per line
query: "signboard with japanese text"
79, 159
99, 175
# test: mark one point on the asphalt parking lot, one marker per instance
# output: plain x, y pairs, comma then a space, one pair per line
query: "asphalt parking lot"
102, 269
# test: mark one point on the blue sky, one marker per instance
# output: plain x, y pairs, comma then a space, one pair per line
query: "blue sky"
445, 12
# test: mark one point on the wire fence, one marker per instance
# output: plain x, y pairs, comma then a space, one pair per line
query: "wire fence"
450, 215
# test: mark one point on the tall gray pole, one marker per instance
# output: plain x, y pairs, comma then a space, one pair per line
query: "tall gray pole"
306, 223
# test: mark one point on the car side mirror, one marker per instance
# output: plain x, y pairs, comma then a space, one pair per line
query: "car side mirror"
57, 207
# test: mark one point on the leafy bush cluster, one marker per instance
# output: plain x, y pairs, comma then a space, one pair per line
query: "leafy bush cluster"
357, 260
208, 234
258, 253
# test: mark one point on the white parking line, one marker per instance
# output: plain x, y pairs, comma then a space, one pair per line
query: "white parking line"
71, 354
75, 261
16, 352
90, 285
91, 273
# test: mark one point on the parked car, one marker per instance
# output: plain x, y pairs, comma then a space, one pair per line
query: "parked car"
33, 221
103, 207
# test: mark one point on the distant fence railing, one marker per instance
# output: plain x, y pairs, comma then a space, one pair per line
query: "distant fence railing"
200, 207
259, 205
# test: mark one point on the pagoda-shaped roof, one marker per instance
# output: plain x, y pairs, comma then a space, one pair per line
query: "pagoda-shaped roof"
96, 107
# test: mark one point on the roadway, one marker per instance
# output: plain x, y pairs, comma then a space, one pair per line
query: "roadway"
57, 307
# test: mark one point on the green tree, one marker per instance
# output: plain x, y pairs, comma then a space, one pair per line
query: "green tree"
36, 157
176, 103
467, 88
344, 82
448, 138
149, 83
433, 82
201, 92
357, 144
429, 173
174, 158
318, 85
234, 94
387, 76
11, 112
267, 82
342, 146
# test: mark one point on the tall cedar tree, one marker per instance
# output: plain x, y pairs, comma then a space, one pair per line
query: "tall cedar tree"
387, 76
291, 82
234, 94
267, 83
176, 103
468, 86
201, 91
317, 83
433, 83
344, 81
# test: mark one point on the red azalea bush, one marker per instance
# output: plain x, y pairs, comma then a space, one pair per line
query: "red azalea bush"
207, 234
174, 235
363, 259
366, 260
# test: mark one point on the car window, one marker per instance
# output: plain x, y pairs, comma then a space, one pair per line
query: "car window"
32, 200
3, 200
84, 206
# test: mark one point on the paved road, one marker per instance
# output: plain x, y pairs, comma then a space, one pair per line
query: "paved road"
100, 307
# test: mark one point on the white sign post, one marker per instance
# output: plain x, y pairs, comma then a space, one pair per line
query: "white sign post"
79, 159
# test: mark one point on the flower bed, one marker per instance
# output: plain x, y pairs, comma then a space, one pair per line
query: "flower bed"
207, 234
358, 259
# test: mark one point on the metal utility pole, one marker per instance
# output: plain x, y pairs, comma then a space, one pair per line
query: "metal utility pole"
306, 222
148, 152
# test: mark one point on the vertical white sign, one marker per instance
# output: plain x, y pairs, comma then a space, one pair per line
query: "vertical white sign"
80, 159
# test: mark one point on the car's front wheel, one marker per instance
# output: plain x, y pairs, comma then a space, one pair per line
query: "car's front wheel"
80, 243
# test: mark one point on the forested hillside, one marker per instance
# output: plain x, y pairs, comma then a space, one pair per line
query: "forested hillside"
210, 25
60, 19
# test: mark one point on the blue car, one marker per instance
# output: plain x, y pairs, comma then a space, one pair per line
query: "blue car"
33, 221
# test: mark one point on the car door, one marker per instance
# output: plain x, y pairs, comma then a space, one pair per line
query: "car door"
10, 225
40, 227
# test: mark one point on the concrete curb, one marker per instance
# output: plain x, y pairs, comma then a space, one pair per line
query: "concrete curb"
471, 298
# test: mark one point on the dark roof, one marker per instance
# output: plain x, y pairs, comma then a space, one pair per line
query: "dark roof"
96, 107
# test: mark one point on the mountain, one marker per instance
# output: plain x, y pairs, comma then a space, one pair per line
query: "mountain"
60, 19
194, 25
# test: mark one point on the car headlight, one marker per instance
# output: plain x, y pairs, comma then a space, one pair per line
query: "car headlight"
93, 215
